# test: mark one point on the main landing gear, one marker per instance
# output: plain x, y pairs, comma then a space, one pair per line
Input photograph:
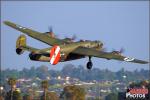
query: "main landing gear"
89, 64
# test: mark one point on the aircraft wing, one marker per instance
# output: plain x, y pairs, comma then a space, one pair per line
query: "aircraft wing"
34, 34
28, 48
35, 50
107, 55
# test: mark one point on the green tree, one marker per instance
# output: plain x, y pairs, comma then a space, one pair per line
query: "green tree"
30, 94
16, 95
73, 93
52, 96
44, 85
111, 96
42, 72
27, 97
12, 82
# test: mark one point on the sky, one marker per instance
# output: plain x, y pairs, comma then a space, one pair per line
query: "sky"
117, 24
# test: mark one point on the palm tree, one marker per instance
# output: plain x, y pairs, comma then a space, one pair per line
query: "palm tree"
44, 85
73, 92
12, 82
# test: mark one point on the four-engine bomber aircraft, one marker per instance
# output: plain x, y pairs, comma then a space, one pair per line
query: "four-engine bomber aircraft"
64, 49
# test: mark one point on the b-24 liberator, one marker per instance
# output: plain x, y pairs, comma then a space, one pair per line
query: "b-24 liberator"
66, 49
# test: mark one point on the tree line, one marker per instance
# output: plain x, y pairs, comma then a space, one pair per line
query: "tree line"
79, 72
70, 92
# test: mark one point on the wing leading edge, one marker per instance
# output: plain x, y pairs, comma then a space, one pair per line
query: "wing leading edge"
107, 55
34, 34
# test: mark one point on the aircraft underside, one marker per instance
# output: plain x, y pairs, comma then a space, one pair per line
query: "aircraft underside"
46, 57
71, 56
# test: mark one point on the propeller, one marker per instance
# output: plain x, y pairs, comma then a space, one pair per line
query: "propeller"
50, 29
51, 32
122, 50
74, 37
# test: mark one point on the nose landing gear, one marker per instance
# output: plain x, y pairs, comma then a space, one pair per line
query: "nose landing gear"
89, 64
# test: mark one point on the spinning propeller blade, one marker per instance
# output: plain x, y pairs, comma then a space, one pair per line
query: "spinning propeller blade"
50, 29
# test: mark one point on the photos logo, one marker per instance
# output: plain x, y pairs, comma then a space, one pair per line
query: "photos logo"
137, 93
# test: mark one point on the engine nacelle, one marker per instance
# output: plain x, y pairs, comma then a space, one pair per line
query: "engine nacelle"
33, 56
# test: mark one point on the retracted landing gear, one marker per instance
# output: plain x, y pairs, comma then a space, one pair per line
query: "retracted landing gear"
89, 64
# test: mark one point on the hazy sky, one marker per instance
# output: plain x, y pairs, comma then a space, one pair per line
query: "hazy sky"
117, 24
